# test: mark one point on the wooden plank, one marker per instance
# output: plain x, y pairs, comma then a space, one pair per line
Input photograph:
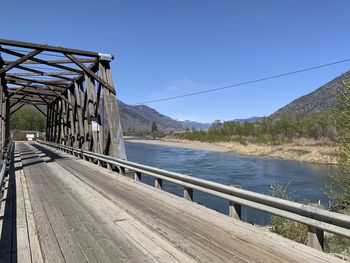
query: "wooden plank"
48, 103
35, 249
1, 113
254, 240
86, 118
59, 61
23, 245
48, 124
19, 61
91, 235
92, 240
41, 61
57, 83
96, 96
57, 94
71, 116
17, 101
15, 92
43, 113
69, 246
7, 226
35, 72
117, 148
51, 250
89, 112
79, 114
196, 248
47, 95
47, 47
121, 225
64, 122
90, 73
14, 111
60, 123
41, 73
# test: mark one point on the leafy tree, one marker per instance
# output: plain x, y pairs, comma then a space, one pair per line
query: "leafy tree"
28, 119
342, 179
154, 127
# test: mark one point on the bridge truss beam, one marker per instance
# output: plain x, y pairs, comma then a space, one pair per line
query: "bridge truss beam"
76, 92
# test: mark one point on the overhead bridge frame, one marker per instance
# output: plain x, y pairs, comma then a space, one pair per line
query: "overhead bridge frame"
76, 94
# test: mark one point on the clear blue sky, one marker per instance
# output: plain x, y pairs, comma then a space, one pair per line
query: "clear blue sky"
167, 48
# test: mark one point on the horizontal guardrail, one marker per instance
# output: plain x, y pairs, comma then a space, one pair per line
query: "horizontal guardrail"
5, 165
317, 219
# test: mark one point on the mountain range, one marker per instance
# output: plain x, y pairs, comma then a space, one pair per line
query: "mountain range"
140, 117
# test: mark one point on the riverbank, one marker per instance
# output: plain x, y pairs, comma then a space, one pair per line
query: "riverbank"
303, 150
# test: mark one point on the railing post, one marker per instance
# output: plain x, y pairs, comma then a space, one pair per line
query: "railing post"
121, 170
158, 183
137, 176
235, 210
188, 192
315, 236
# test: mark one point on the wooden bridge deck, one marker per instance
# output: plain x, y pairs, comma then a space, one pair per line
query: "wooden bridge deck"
70, 210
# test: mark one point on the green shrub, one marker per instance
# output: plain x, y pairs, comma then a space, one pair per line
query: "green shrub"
286, 227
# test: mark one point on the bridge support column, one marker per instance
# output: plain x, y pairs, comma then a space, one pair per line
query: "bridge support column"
235, 210
137, 176
115, 142
158, 183
188, 192
315, 236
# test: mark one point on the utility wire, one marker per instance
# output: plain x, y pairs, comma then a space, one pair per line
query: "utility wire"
245, 83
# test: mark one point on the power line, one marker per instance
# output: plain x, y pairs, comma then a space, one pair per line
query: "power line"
245, 83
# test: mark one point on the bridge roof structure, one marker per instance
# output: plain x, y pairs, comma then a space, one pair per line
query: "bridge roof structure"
33, 77
74, 87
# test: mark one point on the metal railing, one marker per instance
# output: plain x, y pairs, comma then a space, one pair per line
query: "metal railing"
315, 218
6, 159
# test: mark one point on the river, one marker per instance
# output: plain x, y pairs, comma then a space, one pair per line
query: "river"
306, 182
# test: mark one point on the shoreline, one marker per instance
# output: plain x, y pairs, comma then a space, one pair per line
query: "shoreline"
301, 151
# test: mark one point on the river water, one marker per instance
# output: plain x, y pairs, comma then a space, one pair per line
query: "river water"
306, 182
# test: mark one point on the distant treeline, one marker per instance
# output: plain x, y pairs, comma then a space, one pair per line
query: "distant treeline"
28, 119
277, 129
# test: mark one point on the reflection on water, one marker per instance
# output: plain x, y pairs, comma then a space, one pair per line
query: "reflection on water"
306, 181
